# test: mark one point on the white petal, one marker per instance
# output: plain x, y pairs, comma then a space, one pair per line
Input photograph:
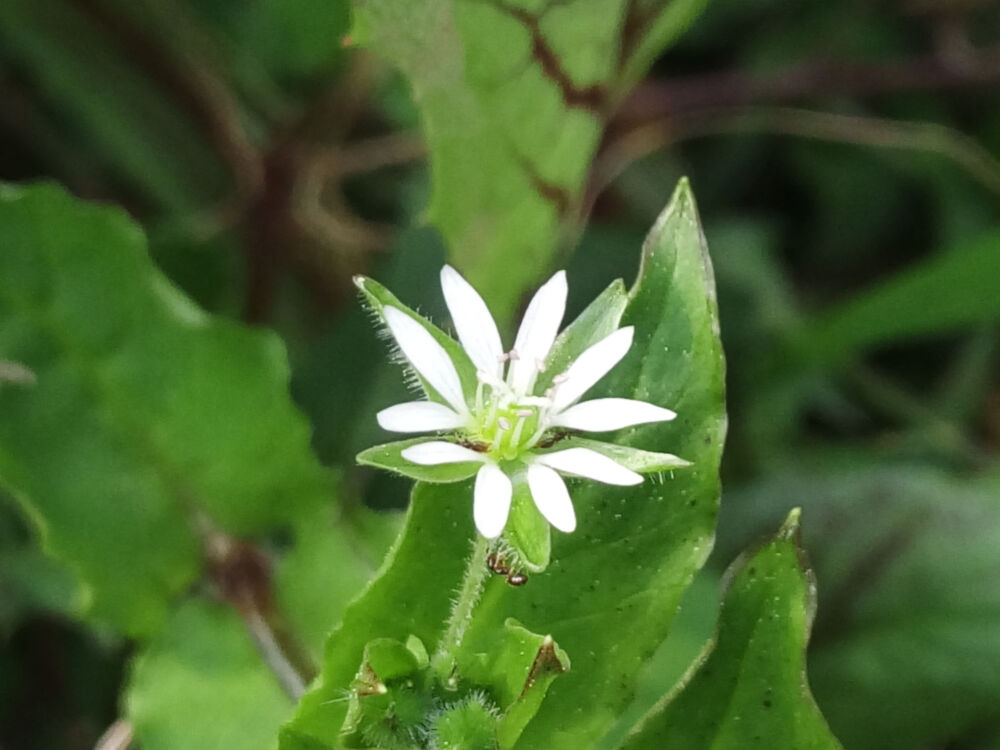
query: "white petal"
440, 452
583, 462
419, 416
602, 414
491, 500
427, 356
475, 326
537, 332
551, 497
591, 366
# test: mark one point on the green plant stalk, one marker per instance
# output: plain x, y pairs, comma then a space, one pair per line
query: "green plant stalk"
469, 592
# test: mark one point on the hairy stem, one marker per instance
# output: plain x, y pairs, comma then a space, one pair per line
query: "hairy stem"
461, 613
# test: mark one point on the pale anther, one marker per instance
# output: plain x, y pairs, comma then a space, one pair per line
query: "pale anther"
512, 355
525, 413
504, 423
559, 379
540, 365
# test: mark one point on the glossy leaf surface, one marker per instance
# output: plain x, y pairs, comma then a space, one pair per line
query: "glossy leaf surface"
148, 422
750, 689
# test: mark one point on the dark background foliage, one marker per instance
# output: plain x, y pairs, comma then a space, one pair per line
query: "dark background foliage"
844, 156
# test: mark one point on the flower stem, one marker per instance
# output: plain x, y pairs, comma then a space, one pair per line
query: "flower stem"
469, 592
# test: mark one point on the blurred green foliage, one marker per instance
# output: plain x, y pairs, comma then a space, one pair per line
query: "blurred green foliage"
845, 160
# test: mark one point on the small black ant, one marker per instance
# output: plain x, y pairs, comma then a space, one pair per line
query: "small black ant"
498, 565
555, 437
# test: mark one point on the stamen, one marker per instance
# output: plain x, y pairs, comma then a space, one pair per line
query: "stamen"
488, 378
540, 365
504, 424
519, 427
494, 405
513, 356
543, 424
560, 379
479, 396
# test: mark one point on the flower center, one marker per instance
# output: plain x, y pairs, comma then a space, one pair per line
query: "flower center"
508, 423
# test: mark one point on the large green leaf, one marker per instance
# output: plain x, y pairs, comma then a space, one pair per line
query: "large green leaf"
750, 689
148, 421
905, 651
633, 554
514, 97
198, 675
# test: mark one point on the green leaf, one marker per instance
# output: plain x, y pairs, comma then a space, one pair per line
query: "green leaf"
148, 420
635, 549
750, 687
519, 666
632, 555
514, 98
195, 676
643, 462
389, 457
905, 651
951, 290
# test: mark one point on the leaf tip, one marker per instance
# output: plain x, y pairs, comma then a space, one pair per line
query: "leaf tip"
790, 528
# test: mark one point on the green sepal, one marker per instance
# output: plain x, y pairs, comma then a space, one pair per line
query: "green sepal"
517, 669
377, 297
389, 456
527, 538
470, 724
416, 647
598, 320
636, 459
389, 698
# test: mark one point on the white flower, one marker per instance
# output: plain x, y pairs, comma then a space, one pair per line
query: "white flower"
500, 422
